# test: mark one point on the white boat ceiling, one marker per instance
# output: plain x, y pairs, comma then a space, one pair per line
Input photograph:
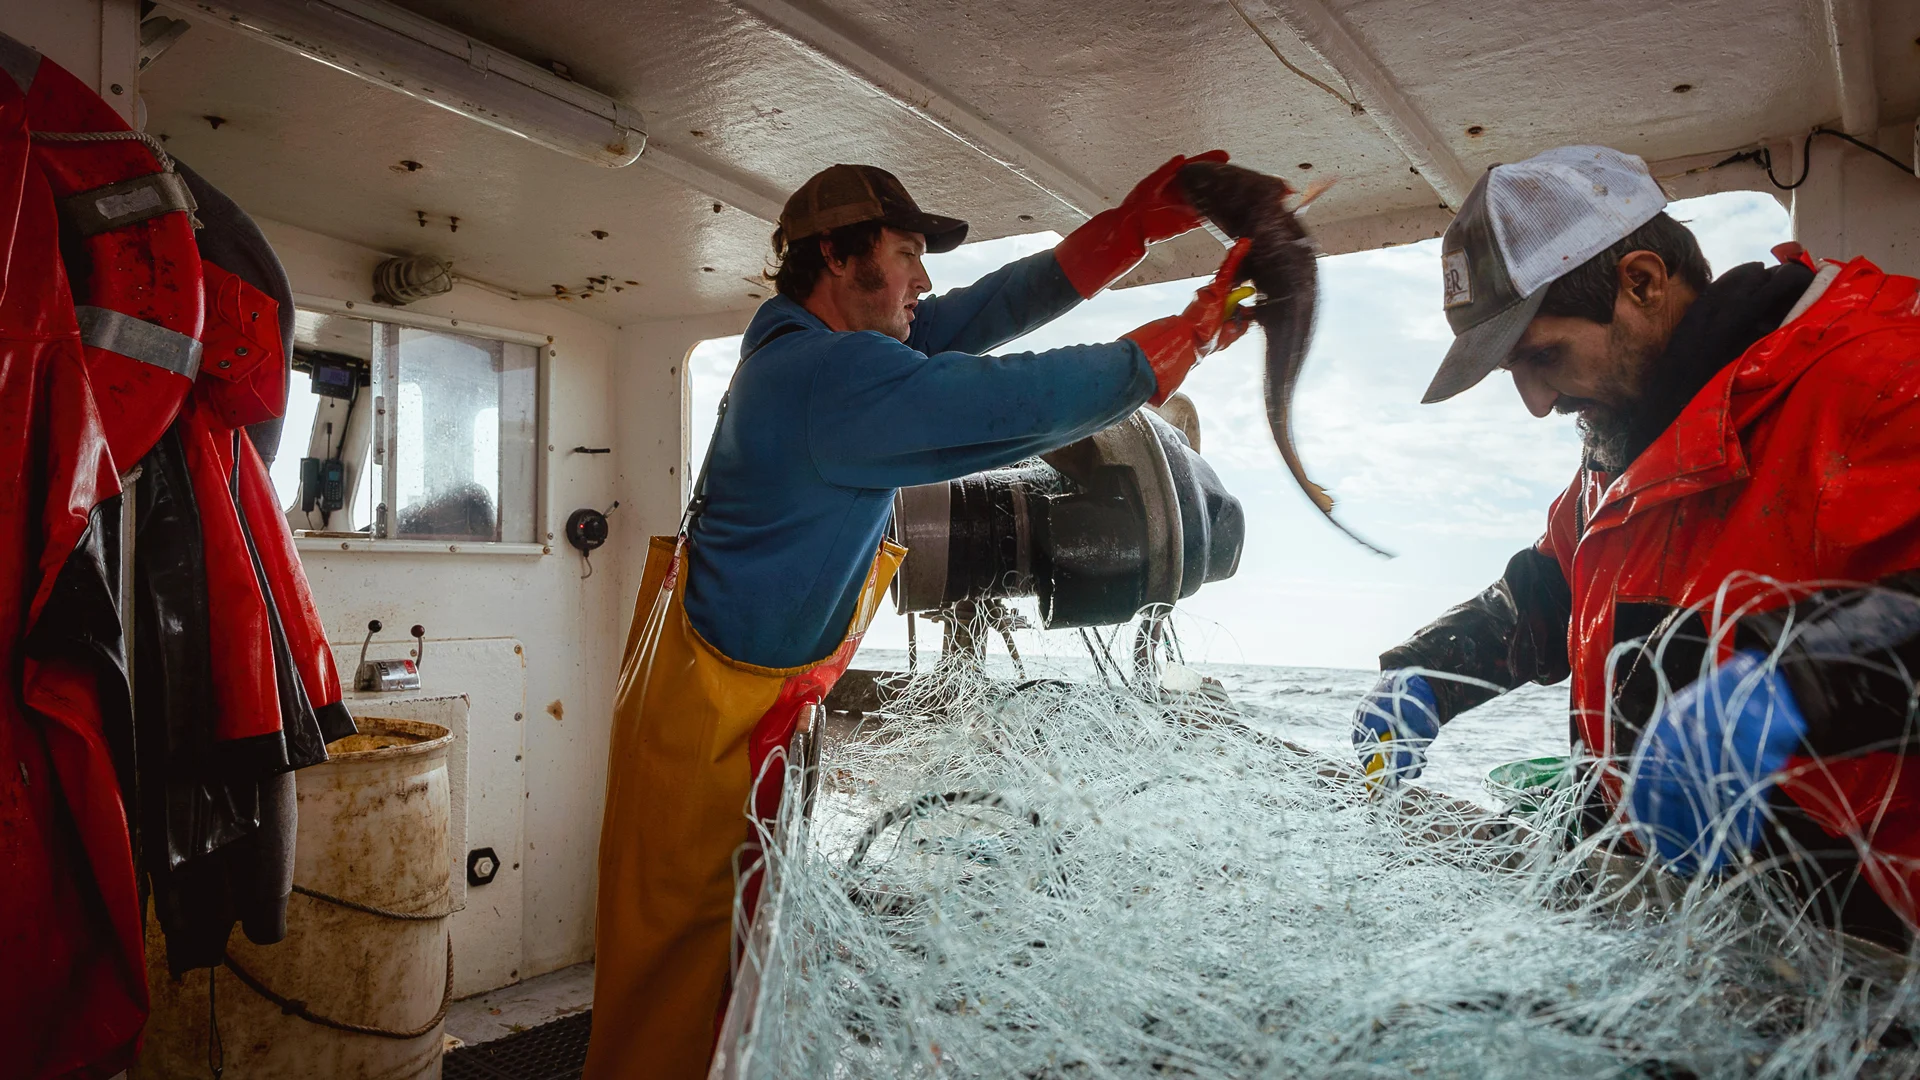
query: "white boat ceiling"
1018, 116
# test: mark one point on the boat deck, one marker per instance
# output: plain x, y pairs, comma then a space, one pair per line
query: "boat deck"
534, 1030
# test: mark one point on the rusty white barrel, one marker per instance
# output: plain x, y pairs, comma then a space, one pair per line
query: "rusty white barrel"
372, 836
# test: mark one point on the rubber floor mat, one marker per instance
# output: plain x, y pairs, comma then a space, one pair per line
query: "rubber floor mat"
555, 1051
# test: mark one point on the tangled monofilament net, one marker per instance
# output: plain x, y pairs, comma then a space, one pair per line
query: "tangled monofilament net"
1057, 879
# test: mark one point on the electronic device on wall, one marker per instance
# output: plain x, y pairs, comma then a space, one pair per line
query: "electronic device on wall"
323, 485
390, 676
587, 529
323, 480
333, 375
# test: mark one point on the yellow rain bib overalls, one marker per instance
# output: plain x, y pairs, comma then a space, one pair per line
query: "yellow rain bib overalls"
692, 728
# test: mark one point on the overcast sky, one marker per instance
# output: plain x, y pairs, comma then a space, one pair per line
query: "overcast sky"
1453, 489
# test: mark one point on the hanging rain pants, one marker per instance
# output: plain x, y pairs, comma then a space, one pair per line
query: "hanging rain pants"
692, 730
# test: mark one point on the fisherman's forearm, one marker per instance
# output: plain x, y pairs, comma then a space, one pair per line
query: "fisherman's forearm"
895, 420
1849, 657
1513, 632
1469, 642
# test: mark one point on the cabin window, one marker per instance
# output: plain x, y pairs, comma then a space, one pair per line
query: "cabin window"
411, 432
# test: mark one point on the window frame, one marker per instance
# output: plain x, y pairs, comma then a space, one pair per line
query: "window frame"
543, 451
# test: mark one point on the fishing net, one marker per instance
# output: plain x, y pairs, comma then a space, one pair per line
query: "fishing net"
1058, 874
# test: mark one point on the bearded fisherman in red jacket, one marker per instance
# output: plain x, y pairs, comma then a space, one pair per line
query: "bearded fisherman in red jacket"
1730, 579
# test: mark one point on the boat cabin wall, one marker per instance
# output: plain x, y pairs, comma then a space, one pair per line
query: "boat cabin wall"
571, 628
622, 388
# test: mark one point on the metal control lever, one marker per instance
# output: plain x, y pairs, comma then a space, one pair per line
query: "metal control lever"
389, 676
373, 627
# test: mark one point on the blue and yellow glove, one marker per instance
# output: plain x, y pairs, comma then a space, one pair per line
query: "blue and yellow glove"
1394, 725
1698, 783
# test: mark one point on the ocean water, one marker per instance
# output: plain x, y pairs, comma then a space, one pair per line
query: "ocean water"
1314, 707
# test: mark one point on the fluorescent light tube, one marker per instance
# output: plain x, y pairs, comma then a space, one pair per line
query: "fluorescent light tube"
397, 49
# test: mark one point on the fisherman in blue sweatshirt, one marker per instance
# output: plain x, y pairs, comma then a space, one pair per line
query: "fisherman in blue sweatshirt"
851, 385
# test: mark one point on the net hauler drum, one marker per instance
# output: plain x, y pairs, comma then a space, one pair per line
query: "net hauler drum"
1122, 520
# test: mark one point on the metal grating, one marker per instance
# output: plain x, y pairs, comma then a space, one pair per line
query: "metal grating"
555, 1051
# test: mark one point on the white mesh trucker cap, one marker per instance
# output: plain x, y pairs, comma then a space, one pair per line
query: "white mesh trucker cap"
1523, 226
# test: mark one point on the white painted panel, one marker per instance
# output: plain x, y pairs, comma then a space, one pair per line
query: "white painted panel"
68, 31
476, 687
97, 40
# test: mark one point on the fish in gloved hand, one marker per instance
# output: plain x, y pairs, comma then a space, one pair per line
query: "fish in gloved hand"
1214, 320
1254, 206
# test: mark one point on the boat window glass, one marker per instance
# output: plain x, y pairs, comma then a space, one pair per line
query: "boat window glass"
461, 462
410, 433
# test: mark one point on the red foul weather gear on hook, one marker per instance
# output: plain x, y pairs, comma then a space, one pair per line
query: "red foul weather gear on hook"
74, 995
215, 563
244, 382
140, 306
1112, 242
242, 371
90, 391
1210, 323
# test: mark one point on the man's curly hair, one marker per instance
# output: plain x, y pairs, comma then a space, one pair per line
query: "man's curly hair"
797, 267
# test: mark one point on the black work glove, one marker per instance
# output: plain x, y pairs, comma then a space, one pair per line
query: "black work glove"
1850, 657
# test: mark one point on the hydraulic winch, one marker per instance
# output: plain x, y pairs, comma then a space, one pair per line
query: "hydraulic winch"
1123, 520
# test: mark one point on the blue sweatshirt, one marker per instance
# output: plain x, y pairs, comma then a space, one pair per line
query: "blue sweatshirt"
822, 426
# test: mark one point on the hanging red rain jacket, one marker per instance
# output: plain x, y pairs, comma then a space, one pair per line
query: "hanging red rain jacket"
73, 390
73, 991
254, 579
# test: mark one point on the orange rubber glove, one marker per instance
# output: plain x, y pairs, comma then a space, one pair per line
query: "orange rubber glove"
1212, 322
1096, 254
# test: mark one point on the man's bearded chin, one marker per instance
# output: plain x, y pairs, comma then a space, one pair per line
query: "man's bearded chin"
1614, 434
1607, 435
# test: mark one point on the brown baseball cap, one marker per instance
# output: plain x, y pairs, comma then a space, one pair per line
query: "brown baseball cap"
850, 194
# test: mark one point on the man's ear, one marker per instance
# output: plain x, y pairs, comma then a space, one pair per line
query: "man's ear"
836, 265
1643, 279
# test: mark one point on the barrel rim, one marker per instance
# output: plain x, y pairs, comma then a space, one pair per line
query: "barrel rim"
432, 737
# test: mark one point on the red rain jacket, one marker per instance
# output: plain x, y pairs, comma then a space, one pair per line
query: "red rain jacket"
243, 381
73, 994
1800, 462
